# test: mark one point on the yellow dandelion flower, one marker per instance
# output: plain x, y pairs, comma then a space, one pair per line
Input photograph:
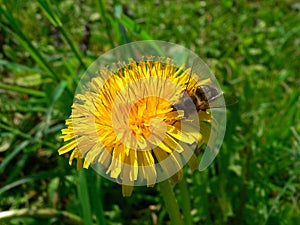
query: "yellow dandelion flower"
128, 124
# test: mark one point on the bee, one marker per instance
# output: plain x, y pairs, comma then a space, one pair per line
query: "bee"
202, 98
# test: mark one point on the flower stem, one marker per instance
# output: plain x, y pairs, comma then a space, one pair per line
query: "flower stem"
170, 202
186, 205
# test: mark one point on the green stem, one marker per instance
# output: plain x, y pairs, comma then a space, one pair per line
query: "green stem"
186, 205
170, 202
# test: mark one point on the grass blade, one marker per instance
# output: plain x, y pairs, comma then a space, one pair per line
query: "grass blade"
37, 176
48, 213
101, 10
8, 158
18, 67
53, 17
83, 194
22, 90
97, 202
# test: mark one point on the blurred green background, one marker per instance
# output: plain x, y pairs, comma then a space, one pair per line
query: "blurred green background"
253, 48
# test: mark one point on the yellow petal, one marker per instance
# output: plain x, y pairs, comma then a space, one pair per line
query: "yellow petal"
165, 147
173, 144
193, 162
134, 165
127, 190
176, 133
205, 129
68, 147
93, 154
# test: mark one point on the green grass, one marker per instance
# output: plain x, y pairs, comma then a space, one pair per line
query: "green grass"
252, 47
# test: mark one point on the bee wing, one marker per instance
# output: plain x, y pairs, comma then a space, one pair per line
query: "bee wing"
230, 99
222, 100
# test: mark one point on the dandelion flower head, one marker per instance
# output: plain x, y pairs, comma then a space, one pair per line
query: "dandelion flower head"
124, 123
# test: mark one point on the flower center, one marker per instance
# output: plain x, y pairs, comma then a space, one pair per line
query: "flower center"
146, 118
